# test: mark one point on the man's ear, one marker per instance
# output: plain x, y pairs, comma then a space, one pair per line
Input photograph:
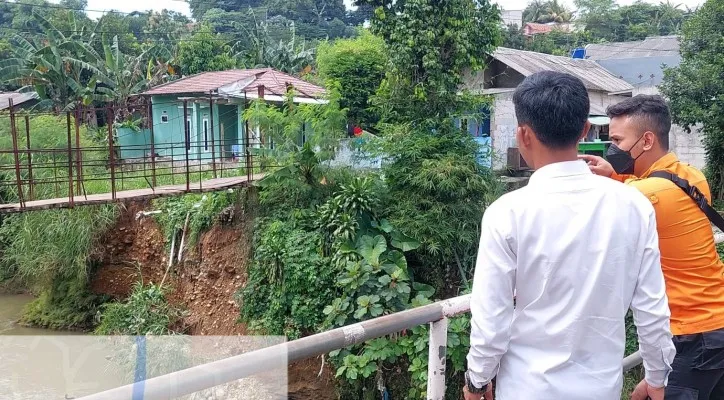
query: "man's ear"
586, 128
648, 140
523, 133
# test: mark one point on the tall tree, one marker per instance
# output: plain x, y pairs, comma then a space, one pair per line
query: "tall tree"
357, 67
205, 51
430, 47
60, 67
696, 90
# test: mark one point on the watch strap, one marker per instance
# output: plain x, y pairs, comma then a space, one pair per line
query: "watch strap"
471, 387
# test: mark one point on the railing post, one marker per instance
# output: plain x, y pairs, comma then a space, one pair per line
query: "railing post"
71, 199
247, 152
153, 142
187, 141
78, 154
437, 352
211, 128
111, 155
30, 155
14, 133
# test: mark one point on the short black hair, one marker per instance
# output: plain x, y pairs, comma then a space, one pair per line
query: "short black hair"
555, 105
651, 113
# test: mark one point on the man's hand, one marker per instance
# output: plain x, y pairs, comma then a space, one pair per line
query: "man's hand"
643, 392
471, 396
597, 164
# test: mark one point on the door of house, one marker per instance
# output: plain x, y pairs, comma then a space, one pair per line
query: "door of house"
205, 139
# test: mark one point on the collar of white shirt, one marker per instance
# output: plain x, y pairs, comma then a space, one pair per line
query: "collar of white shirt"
559, 170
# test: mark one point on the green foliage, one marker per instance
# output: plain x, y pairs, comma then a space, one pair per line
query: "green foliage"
290, 127
557, 42
145, 312
206, 51
378, 283
202, 210
605, 20
67, 303
695, 90
50, 251
47, 245
357, 66
440, 194
544, 12
430, 46
289, 283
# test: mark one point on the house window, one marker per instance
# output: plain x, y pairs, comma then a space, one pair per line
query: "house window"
188, 134
206, 133
164, 118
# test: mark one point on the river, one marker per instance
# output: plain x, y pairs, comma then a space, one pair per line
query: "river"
41, 364
46, 364
11, 308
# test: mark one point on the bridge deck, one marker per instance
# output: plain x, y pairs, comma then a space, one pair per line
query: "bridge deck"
210, 185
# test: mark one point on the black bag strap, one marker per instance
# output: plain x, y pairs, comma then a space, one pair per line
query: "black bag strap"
695, 195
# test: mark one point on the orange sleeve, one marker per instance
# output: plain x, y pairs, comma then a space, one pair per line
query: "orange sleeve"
622, 178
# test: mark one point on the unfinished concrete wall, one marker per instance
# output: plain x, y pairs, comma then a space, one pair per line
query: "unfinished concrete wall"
503, 123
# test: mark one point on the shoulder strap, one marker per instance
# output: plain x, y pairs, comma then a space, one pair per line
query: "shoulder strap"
695, 195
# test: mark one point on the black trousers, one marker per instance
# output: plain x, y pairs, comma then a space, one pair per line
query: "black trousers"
698, 369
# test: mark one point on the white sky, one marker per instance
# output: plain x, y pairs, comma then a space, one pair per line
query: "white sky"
181, 6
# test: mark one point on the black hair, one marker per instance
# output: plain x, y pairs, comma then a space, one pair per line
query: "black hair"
650, 112
555, 105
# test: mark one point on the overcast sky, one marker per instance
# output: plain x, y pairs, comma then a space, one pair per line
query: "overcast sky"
180, 6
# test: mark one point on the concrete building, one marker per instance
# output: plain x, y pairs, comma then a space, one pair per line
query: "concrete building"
506, 70
512, 17
642, 64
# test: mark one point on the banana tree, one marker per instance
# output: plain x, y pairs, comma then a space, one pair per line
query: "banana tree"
60, 68
122, 76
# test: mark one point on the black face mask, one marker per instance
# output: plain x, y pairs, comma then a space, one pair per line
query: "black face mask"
621, 160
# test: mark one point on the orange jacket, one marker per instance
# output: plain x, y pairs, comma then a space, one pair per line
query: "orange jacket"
693, 271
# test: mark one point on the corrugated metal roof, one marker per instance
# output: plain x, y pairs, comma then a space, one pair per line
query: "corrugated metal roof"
593, 75
655, 46
18, 98
274, 82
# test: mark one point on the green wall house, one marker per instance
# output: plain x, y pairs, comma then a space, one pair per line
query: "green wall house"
215, 104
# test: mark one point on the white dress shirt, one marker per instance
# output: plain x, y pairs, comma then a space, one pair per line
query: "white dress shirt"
577, 250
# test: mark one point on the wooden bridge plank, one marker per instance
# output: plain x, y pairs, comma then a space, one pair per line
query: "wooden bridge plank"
211, 185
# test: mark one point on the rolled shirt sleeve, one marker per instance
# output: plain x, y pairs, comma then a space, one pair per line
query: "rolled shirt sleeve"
651, 312
491, 303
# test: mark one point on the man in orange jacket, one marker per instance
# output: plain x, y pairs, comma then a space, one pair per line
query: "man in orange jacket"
639, 156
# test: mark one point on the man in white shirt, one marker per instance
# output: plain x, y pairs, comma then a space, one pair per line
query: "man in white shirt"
577, 251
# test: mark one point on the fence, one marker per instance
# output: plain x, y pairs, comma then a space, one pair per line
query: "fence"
40, 168
202, 377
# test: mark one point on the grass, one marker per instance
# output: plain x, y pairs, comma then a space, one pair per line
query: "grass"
145, 312
50, 252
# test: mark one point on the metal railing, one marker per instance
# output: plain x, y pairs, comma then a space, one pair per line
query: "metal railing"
38, 166
228, 370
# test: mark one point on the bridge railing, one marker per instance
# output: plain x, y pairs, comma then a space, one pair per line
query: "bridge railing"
40, 162
228, 370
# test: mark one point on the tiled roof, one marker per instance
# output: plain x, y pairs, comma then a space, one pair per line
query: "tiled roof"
594, 76
274, 82
654, 46
533, 28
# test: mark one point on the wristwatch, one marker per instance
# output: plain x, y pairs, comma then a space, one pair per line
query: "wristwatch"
471, 387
